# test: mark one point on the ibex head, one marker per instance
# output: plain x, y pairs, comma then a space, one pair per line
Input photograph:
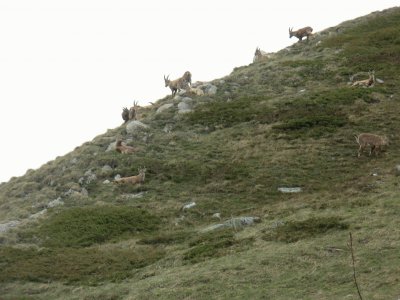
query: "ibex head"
291, 32
258, 52
167, 81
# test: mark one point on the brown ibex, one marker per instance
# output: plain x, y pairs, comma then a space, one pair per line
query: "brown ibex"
367, 82
133, 111
260, 55
306, 31
375, 142
122, 148
178, 84
132, 179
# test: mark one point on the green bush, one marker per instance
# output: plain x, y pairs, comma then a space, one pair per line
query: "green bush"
84, 265
294, 231
81, 227
214, 244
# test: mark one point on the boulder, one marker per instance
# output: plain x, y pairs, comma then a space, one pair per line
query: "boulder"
164, 107
56, 202
235, 223
7, 226
136, 126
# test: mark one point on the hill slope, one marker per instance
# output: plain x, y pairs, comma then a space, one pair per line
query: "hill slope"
289, 122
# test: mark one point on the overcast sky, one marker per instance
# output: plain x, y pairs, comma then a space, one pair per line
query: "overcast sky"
68, 67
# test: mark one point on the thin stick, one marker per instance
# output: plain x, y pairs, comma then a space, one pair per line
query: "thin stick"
354, 266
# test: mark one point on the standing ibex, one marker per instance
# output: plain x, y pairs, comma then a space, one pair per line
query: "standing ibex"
133, 111
260, 55
367, 82
132, 179
178, 84
375, 142
306, 31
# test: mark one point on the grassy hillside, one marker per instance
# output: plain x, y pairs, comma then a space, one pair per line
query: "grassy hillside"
289, 121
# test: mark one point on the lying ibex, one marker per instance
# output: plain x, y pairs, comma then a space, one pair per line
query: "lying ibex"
122, 148
306, 31
375, 142
260, 55
367, 82
178, 84
132, 179
131, 113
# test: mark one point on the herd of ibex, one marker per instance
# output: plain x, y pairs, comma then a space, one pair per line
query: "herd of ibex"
364, 140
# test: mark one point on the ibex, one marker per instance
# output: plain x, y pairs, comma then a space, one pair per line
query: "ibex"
131, 113
132, 179
178, 84
187, 76
260, 55
306, 31
122, 148
367, 82
375, 142
125, 114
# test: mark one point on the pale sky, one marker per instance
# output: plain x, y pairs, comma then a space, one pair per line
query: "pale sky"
68, 67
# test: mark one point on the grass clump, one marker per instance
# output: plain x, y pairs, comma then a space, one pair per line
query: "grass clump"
214, 244
308, 122
85, 226
294, 231
166, 238
227, 114
85, 265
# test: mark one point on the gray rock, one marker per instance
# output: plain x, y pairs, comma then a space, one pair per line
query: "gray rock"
235, 223
167, 128
89, 177
397, 170
290, 189
136, 126
188, 205
106, 169
106, 181
164, 107
56, 202
133, 196
111, 147
84, 192
7, 226
210, 89
184, 107
38, 214
178, 98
